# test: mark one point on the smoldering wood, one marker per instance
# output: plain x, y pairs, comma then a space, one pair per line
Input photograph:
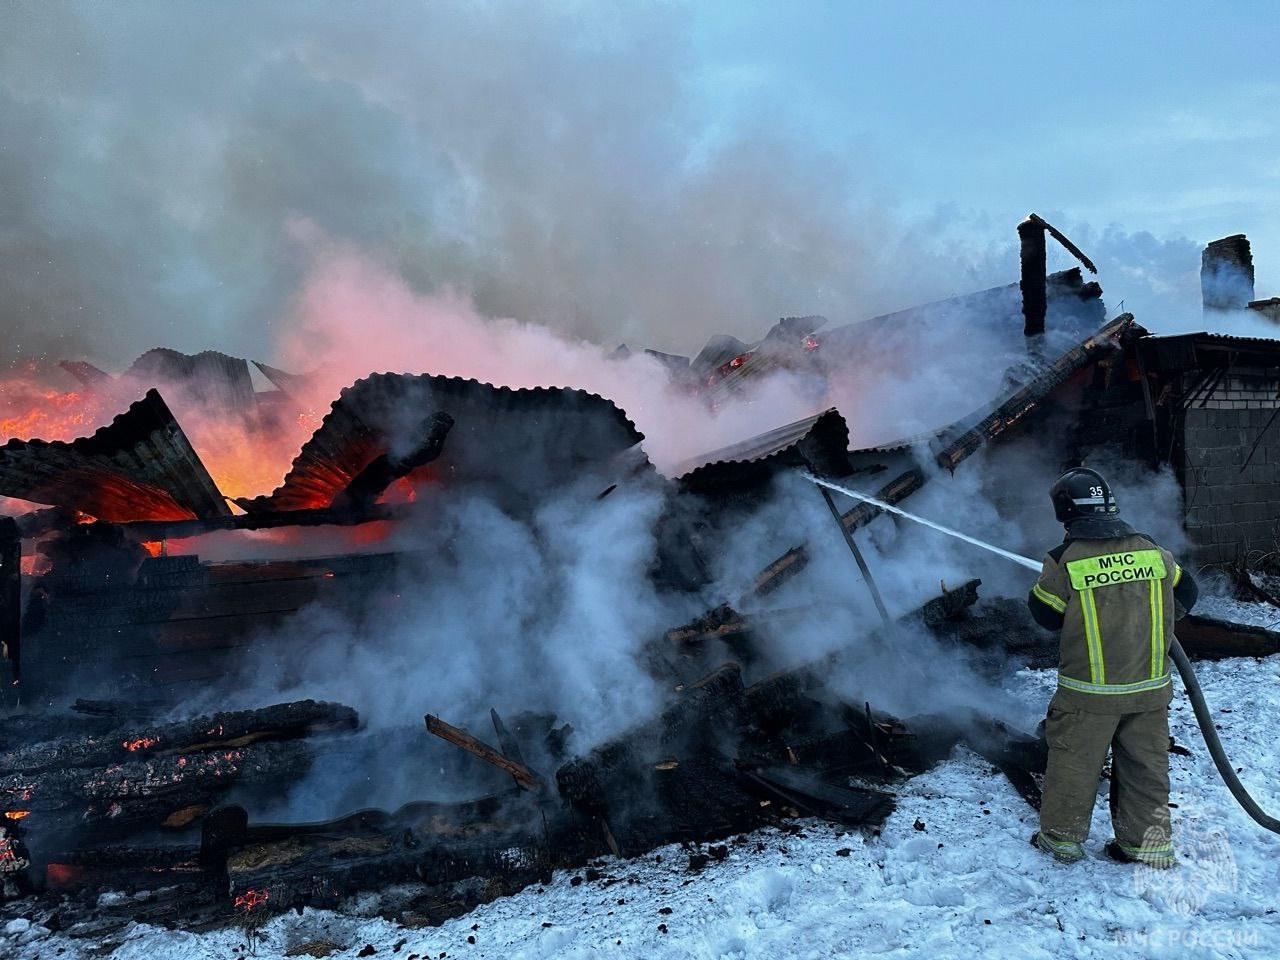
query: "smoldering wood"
122, 790
522, 775
218, 731
950, 604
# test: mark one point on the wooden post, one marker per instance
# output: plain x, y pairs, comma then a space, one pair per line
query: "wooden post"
857, 555
525, 777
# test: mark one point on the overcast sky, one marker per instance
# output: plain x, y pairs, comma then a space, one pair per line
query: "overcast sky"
1160, 116
645, 172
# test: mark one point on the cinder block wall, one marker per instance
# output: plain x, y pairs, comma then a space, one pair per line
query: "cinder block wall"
1233, 509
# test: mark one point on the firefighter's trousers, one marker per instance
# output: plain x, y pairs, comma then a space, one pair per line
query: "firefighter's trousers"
1078, 744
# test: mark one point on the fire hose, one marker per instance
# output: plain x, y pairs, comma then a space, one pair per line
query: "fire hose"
1204, 718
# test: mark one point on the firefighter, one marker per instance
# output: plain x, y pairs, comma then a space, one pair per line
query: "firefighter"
1113, 594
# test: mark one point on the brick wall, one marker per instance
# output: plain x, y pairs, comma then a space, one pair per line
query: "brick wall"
1233, 508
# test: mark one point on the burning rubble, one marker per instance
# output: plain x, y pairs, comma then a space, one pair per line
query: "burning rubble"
108, 602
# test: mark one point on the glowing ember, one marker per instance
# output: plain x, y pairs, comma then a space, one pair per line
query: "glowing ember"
154, 547
142, 743
62, 875
16, 814
252, 898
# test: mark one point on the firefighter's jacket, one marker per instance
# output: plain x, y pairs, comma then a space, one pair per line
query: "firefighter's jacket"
1115, 601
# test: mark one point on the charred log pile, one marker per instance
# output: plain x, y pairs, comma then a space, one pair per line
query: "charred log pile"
116, 781
722, 759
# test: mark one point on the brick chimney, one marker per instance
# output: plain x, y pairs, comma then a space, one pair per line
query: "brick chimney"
1226, 274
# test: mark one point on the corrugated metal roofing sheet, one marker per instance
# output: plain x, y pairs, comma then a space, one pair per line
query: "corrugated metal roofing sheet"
139, 467
209, 377
515, 437
1185, 351
818, 443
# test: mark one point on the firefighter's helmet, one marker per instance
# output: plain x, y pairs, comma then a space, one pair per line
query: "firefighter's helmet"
1082, 493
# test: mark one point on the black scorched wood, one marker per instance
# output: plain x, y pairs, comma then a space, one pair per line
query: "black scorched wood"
139, 789
617, 770
212, 732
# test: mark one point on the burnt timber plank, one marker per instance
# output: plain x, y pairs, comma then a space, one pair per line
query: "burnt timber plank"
1205, 638
460, 738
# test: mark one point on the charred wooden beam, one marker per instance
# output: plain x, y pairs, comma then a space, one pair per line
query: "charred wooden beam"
1206, 638
124, 791
950, 604
778, 573
319, 871
522, 775
385, 469
213, 732
959, 444
718, 622
811, 796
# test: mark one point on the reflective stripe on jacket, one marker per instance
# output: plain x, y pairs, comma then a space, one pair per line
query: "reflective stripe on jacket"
1115, 598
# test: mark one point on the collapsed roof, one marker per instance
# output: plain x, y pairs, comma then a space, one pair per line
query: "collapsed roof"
141, 465
519, 435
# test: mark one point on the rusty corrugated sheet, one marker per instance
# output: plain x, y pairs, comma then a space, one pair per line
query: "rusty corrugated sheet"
208, 378
139, 467
534, 437
818, 443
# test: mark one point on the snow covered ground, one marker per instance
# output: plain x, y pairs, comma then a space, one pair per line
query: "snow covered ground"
952, 875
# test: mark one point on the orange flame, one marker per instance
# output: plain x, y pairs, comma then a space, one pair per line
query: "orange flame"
141, 743
54, 416
16, 814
